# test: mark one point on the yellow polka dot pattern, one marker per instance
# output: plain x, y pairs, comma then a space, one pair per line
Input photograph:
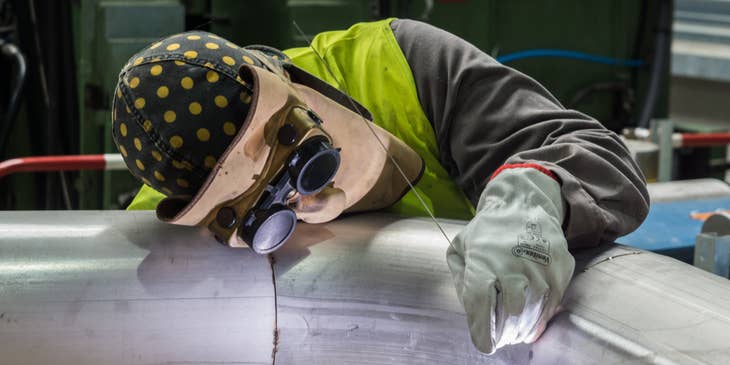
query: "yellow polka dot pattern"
245, 98
195, 108
221, 101
228, 60
156, 70
187, 83
229, 129
163, 92
176, 141
197, 71
210, 162
211, 76
139, 103
170, 116
181, 165
203, 134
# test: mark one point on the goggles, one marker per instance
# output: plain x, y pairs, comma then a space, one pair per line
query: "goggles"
283, 165
308, 169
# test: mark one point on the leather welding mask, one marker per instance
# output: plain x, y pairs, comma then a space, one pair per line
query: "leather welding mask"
299, 155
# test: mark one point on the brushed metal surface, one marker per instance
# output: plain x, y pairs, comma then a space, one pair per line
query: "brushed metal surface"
376, 290
121, 288
370, 291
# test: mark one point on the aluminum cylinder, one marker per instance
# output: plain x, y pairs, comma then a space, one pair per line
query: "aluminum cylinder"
118, 287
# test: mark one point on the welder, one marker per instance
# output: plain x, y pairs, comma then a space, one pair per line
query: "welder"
391, 115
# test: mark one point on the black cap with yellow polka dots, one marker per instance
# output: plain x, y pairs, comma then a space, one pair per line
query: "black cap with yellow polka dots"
178, 105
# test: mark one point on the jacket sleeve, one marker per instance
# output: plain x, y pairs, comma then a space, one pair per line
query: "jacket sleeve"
486, 115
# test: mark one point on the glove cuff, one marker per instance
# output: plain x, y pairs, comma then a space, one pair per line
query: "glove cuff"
525, 165
528, 182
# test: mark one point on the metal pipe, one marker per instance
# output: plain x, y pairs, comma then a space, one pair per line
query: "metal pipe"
700, 139
115, 287
107, 162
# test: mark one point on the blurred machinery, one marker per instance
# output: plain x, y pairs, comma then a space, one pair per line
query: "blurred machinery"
43, 119
712, 248
700, 87
607, 59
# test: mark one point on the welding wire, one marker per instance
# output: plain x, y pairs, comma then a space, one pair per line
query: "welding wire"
109, 161
354, 107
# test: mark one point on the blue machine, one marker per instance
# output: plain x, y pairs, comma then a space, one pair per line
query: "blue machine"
669, 229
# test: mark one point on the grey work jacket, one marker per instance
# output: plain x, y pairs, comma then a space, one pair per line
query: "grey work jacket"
485, 114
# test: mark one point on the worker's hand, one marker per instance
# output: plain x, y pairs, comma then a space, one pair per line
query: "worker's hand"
511, 263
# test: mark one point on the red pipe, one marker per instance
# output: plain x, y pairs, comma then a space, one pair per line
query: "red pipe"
704, 139
52, 163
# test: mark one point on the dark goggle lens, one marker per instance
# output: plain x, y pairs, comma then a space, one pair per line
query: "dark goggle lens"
269, 229
269, 224
313, 166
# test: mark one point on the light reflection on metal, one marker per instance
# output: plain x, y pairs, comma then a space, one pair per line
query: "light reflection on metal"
57, 267
40, 230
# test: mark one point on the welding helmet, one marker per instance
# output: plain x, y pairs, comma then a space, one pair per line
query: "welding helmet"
245, 143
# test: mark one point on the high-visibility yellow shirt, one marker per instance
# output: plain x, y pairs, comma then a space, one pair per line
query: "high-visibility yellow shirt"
368, 64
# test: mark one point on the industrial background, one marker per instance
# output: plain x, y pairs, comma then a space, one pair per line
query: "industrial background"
655, 71
74, 50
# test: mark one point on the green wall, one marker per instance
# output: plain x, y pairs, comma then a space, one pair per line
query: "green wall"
109, 32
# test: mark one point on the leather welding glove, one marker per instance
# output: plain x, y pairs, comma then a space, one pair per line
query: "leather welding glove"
511, 263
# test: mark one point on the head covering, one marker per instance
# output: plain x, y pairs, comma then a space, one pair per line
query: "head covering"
178, 104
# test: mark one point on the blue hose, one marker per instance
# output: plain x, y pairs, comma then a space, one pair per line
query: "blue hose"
531, 53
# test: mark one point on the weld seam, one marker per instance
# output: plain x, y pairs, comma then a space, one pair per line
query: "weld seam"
272, 261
